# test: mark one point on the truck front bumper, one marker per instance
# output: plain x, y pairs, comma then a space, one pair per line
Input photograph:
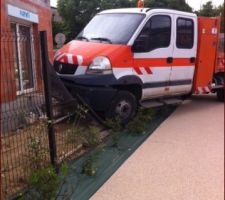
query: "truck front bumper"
96, 91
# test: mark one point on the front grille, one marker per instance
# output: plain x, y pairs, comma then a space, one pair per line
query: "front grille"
65, 68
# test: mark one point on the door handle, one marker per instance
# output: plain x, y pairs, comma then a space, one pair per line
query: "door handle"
192, 60
169, 60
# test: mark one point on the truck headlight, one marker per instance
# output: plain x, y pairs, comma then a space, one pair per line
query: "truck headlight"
100, 65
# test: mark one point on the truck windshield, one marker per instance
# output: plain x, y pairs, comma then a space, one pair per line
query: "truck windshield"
111, 28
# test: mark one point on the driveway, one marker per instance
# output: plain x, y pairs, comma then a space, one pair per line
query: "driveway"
182, 160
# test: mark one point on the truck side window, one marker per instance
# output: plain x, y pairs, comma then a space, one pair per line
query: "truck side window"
156, 34
185, 33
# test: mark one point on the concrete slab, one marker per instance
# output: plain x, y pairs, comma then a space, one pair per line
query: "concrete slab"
182, 160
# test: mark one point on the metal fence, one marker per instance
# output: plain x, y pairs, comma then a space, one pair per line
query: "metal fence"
28, 135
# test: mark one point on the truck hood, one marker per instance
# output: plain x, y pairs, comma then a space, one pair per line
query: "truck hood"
82, 53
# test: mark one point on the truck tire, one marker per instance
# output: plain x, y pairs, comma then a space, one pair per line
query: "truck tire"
220, 95
123, 106
219, 80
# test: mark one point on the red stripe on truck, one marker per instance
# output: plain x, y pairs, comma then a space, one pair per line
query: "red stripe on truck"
148, 70
137, 70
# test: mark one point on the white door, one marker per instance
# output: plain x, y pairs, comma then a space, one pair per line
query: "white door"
184, 54
153, 51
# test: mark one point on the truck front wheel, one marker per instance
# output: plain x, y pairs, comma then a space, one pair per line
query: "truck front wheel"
220, 95
123, 106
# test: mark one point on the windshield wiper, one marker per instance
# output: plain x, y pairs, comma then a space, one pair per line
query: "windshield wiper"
82, 38
102, 39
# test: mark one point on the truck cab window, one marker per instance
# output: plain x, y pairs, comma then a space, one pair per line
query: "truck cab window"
185, 33
156, 34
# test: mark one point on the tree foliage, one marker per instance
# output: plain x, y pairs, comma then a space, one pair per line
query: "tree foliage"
209, 10
220, 11
172, 4
76, 14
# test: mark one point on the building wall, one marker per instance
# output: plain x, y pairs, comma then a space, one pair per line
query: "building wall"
42, 8
55, 15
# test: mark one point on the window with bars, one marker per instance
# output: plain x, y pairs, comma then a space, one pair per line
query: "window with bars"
22, 57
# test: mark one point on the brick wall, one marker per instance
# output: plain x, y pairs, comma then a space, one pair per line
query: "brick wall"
43, 10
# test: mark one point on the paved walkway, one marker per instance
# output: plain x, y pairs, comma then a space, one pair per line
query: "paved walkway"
182, 160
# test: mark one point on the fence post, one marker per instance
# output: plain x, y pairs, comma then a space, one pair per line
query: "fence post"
48, 96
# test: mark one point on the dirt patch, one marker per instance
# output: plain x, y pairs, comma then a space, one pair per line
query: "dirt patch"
17, 149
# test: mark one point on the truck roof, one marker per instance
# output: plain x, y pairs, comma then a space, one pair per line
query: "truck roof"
147, 11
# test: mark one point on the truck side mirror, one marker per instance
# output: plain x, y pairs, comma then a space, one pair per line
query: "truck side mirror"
141, 44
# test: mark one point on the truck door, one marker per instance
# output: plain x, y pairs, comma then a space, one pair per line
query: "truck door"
153, 51
184, 54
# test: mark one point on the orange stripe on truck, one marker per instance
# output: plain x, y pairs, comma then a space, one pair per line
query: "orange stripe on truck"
162, 62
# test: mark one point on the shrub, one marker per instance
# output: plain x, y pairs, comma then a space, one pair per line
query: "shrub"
138, 124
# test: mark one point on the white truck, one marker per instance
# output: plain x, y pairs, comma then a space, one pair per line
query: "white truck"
125, 58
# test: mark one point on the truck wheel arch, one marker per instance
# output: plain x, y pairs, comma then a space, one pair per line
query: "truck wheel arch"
132, 84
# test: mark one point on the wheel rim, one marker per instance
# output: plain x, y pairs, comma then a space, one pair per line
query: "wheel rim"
123, 109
